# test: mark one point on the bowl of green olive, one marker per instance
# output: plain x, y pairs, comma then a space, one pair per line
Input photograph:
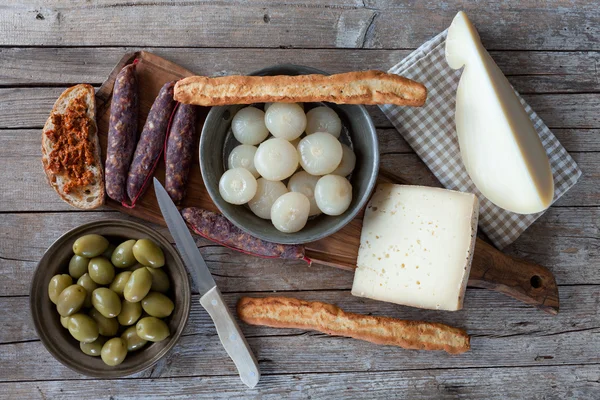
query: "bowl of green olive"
110, 298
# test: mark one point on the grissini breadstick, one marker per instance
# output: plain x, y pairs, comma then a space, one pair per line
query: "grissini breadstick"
284, 312
364, 87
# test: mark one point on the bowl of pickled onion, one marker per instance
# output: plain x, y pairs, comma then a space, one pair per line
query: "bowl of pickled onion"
289, 173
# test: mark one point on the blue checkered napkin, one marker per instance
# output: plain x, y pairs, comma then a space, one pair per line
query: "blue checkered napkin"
430, 131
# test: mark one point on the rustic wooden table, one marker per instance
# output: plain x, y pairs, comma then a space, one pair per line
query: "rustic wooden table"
550, 52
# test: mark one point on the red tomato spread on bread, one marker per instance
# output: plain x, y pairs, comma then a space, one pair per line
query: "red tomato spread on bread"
72, 151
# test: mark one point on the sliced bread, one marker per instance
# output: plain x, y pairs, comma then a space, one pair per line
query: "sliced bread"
71, 149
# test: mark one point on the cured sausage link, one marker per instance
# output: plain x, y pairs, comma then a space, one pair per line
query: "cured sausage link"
178, 156
217, 228
122, 132
151, 143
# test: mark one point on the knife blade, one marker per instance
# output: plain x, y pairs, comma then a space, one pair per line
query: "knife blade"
186, 245
211, 299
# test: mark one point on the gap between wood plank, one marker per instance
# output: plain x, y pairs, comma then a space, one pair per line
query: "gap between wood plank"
281, 47
370, 372
312, 333
15, 259
109, 211
266, 5
96, 85
19, 342
57, 212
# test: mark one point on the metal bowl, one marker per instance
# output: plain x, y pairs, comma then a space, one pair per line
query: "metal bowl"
358, 131
59, 342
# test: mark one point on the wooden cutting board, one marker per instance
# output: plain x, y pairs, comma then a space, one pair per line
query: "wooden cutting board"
491, 269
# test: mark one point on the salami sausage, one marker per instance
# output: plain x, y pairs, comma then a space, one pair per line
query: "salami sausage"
217, 228
122, 132
151, 143
178, 156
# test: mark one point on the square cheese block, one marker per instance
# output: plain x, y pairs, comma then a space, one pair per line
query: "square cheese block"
416, 246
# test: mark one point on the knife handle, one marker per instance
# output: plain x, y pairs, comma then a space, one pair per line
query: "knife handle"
231, 336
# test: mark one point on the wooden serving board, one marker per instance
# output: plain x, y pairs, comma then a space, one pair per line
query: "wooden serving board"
491, 269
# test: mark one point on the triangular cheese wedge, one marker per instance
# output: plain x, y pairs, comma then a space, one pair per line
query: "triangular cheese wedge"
500, 148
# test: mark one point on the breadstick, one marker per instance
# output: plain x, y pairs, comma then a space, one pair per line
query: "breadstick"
284, 312
365, 87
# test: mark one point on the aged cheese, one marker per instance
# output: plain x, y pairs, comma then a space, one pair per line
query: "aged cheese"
499, 146
416, 246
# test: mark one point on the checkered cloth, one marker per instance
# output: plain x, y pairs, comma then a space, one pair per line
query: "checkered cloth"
430, 131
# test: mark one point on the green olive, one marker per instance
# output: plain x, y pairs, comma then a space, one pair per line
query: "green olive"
157, 305
106, 302
130, 313
123, 257
114, 351
90, 245
148, 253
138, 285
131, 338
109, 250
118, 285
71, 300
160, 280
106, 326
83, 328
89, 285
57, 284
152, 329
136, 266
101, 270
94, 348
64, 321
78, 266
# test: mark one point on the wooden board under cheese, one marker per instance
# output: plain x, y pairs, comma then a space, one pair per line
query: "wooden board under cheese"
491, 269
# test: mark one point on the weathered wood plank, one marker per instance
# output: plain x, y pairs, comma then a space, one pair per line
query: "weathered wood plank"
578, 140
310, 352
92, 65
375, 4
486, 314
531, 23
528, 71
184, 24
574, 140
513, 344
25, 189
514, 25
29, 108
564, 240
301, 3
20, 250
585, 193
575, 110
24, 142
551, 383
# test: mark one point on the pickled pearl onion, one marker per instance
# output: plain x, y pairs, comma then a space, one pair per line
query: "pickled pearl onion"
237, 186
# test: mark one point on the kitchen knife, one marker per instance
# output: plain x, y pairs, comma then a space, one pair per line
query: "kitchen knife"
231, 336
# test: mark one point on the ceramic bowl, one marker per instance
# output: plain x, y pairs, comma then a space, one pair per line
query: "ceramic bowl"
59, 342
217, 141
